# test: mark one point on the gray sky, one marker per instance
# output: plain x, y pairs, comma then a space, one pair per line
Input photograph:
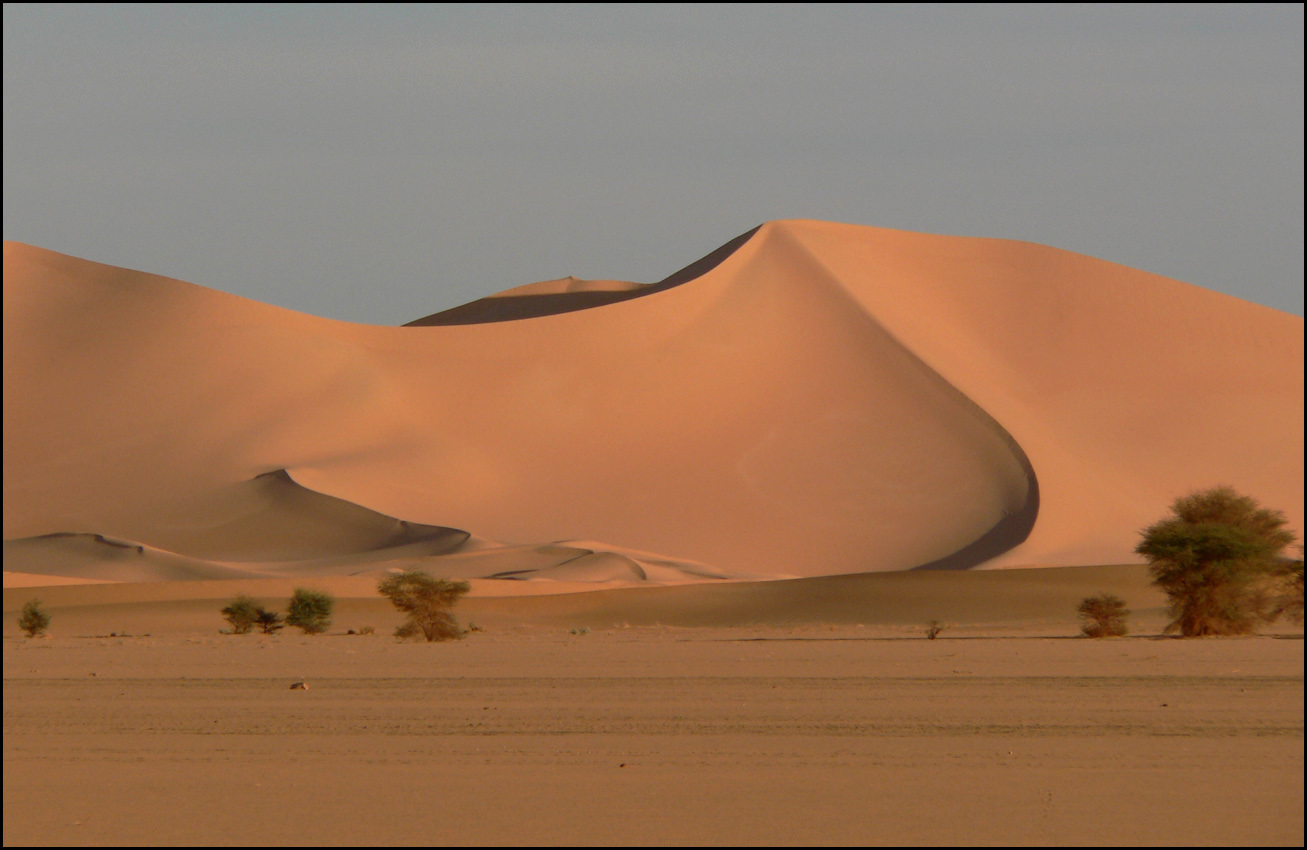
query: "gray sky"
379, 164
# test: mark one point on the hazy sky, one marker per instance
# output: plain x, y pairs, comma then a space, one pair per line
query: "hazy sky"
378, 164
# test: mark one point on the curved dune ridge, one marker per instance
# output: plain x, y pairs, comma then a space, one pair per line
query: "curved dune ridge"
810, 399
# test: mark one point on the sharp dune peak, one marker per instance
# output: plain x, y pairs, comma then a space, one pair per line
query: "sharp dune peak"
810, 399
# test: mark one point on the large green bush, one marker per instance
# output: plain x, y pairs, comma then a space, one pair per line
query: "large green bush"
427, 601
1215, 557
310, 611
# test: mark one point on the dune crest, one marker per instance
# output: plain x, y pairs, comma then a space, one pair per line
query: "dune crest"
569, 294
810, 399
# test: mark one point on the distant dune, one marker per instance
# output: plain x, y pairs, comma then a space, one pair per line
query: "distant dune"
812, 399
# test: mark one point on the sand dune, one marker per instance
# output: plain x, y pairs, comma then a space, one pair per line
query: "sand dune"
811, 399
1034, 601
568, 294
93, 556
76, 558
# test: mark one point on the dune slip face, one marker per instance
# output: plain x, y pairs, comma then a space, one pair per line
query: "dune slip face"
811, 399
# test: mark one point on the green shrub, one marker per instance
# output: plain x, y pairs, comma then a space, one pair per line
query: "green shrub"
242, 613
426, 601
1103, 615
33, 619
310, 611
1213, 557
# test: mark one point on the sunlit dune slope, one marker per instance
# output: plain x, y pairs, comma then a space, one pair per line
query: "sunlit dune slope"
1126, 389
811, 399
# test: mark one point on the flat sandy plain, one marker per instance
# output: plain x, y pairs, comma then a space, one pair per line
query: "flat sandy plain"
697, 714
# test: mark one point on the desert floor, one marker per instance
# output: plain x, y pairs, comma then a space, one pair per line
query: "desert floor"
526, 733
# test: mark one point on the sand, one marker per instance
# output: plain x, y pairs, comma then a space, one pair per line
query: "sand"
653, 735
811, 399
811, 711
705, 522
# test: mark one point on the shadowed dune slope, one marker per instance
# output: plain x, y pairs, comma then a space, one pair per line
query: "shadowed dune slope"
811, 399
569, 294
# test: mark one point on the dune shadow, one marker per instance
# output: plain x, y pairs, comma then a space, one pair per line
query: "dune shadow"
1008, 533
511, 308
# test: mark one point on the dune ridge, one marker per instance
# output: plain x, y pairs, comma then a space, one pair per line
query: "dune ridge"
810, 399
289, 530
1127, 388
566, 295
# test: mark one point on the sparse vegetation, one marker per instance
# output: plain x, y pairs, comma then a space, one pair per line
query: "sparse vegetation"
33, 619
580, 630
368, 630
1103, 615
933, 628
269, 621
1215, 557
1286, 598
426, 601
242, 613
310, 610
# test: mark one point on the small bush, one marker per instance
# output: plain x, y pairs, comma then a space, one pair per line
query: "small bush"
310, 611
33, 619
1103, 615
580, 630
269, 621
933, 628
427, 601
368, 630
242, 613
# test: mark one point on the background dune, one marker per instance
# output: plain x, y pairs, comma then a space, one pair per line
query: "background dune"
811, 399
1004, 602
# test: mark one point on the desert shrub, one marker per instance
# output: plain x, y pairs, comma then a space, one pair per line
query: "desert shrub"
426, 601
1213, 557
407, 629
242, 613
580, 630
33, 619
1286, 591
269, 621
933, 628
310, 610
368, 630
1103, 615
